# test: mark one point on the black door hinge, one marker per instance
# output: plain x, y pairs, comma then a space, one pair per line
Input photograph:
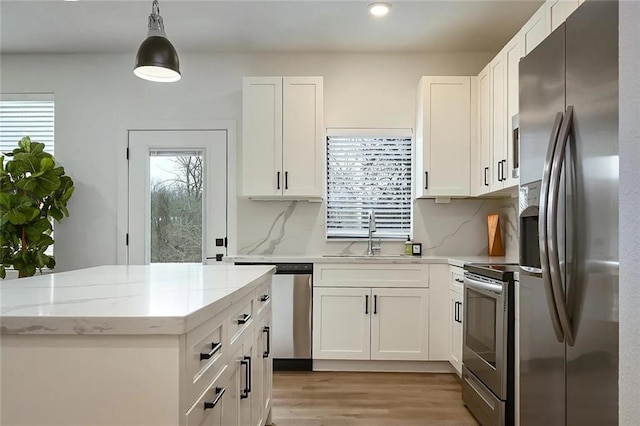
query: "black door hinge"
127, 239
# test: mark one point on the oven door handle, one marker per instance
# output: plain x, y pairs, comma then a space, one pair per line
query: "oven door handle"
481, 285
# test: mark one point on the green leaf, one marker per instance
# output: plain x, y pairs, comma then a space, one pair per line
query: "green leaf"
47, 163
25, 143
28, 162
3, 272
27, 184
36, 230
16, 217
55, 213
5, 200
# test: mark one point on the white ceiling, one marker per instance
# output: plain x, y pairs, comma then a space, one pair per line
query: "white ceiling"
57, 26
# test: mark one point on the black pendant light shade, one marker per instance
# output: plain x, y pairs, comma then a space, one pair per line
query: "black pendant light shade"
157, 59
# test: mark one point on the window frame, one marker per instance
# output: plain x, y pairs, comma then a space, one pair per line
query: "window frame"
367, 133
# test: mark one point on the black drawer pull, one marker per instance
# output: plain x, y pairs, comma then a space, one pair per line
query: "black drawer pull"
215, 347
375, 303
426, 180
266, 353
366, 304
458, 280
286, 180
244, 319
244, 394
264, 297
486, 176
219, 393
278, 180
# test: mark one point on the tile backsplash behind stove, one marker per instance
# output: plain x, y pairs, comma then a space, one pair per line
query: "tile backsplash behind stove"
298, 228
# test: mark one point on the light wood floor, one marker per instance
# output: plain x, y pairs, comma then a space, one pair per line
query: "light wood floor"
367, 399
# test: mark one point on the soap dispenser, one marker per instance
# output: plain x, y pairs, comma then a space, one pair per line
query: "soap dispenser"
408, 247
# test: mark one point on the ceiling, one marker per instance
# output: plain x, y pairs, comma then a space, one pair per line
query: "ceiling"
56, 26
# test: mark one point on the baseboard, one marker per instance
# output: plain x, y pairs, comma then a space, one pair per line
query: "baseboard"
383, 366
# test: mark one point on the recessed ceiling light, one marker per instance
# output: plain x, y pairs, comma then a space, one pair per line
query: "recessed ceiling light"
379, 9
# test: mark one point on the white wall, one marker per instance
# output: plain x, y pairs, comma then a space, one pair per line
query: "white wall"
629, 207
97, 98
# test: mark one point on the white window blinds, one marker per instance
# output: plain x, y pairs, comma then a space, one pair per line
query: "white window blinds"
368, 173
19, 118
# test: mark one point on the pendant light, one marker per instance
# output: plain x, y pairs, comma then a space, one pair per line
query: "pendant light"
157, 59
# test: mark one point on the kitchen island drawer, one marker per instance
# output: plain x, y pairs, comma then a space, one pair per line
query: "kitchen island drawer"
262, 298
206, 354
208, 409
241, 319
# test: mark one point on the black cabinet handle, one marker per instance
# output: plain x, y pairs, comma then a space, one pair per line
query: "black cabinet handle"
266, 353
457, 315
426, 180
246, 361
212, 404
264, 297
375, 303
455, 311
366, 304
486, 176
215, 347
504, 166
458, 280
286, 180
278, 180
499, 171
245, 319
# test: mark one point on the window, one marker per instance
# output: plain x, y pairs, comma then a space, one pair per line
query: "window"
26, 115
367, 173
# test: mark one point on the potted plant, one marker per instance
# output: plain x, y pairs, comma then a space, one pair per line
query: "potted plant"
33, 192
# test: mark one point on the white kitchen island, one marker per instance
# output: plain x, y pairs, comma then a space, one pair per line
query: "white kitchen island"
172, 344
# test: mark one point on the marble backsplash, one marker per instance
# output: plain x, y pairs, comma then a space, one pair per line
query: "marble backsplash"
298, 228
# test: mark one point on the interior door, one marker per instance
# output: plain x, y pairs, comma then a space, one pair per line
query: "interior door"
177, 196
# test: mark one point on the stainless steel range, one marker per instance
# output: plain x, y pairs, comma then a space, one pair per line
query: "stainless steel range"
488, 351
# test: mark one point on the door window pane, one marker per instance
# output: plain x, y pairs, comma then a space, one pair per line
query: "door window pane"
481, 325
176, 184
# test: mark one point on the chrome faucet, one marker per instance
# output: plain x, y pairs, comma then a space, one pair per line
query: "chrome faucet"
372, 228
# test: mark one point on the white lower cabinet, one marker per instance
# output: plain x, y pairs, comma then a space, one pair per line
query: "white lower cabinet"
371, 324
400, 324
341, 325
456, 316
455, 329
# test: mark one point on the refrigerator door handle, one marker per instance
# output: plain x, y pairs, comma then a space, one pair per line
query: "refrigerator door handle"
542, 229
552, 227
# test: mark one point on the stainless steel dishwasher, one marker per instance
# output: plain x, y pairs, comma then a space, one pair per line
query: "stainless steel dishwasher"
291, 306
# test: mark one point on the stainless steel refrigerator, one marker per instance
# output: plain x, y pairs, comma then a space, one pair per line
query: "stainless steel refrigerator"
569, 223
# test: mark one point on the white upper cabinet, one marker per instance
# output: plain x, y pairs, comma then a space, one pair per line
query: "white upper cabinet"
484, 171
282, 126
262, 136
513, 53
498, 120
535, 30
443, 137
557, 11
302, 140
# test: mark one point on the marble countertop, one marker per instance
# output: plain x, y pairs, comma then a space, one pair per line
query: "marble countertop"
454, 260
121, 299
